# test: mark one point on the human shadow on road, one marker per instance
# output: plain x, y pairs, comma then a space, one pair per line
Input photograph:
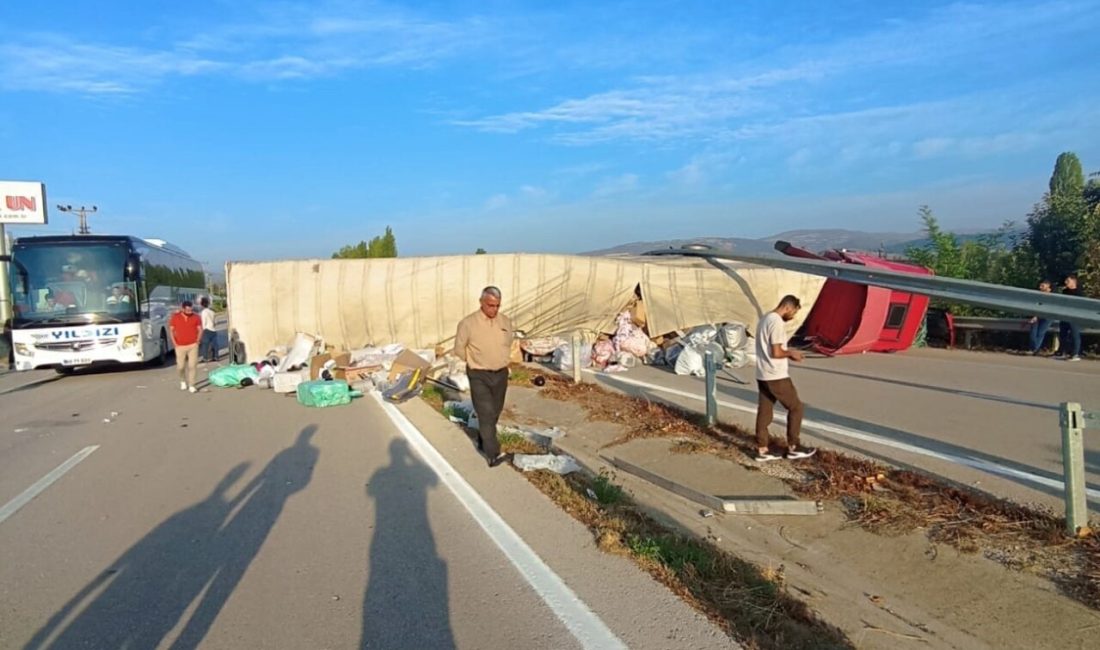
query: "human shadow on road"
406, 603
145, 593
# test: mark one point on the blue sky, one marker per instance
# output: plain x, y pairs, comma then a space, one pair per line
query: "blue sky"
248, 130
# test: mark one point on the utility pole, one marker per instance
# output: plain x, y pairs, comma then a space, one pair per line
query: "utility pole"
83, 212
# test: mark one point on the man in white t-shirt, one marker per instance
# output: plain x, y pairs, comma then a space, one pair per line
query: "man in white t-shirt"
208, 345
774, 382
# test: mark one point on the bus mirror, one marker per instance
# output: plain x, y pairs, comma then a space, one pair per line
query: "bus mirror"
133, 264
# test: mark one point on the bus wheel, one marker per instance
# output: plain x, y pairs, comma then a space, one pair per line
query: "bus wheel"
162, 354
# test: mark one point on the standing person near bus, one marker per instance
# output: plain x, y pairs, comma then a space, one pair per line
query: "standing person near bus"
186, 326
208, 346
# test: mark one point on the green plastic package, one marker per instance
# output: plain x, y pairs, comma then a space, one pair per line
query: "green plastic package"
231, 376
320, 393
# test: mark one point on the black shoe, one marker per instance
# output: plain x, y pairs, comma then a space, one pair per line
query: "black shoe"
500, 460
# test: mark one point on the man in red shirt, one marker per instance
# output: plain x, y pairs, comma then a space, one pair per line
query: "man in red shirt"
186, 326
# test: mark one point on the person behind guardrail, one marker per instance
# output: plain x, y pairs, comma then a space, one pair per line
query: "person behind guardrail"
773, 380
1039, 325
484, 342
1070, 333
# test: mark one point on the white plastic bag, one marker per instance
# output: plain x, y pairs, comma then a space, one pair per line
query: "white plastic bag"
563, 357
300, 352
460, 381
732, 336
690, 362
738, 359
702, 334
557, 464
541, 346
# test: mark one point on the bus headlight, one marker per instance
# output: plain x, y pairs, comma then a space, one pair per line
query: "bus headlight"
131, 341
23, 349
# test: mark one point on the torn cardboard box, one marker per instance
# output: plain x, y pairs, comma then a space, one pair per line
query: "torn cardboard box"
342, 359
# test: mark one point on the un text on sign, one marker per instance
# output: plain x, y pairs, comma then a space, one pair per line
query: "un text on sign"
22, 202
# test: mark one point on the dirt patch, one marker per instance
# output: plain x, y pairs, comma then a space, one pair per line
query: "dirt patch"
882, 500
750, 604
647, 419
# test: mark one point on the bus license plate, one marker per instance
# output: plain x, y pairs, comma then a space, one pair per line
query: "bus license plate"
76, 362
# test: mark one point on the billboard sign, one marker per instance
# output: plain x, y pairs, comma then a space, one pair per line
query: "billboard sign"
22, 202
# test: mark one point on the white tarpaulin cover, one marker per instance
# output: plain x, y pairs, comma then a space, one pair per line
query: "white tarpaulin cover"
418, 301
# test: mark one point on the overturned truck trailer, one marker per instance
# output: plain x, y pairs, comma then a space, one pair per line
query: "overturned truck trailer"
418, 301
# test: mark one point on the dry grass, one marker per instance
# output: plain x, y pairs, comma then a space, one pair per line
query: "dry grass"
649, 419
883, 500
750, 604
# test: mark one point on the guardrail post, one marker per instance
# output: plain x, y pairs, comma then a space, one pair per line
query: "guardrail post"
576, 357
711, 369
1073, 466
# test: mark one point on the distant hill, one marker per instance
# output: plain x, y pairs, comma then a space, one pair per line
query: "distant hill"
813, 240
750, 246
819, 240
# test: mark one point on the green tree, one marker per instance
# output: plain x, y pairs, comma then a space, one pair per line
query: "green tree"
389, 243
381, 246
1001, 257
480, 251
1059, 227
1068, 178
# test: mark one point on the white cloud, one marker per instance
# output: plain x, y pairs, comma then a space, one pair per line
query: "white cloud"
712, 105
931, 147
799, 158
497, 201
617, 185
291, 42
700, 170
533, 192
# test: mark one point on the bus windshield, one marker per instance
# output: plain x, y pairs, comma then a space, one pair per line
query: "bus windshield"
61, 284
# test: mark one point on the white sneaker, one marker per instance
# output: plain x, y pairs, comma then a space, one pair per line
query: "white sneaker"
183, 385
193, 389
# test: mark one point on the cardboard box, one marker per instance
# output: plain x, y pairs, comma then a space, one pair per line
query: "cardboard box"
407, 360
287, 382
354, 374
343, 359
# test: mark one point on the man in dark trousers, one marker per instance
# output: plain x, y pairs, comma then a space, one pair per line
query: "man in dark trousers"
773, 380
484, 342
1070, 333
1039, 325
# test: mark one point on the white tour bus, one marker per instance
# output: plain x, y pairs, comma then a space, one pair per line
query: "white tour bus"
84, 300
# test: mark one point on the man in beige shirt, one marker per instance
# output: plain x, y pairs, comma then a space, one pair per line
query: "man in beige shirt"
484, 342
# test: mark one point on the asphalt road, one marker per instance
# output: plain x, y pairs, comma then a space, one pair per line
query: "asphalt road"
983, 419
239, 519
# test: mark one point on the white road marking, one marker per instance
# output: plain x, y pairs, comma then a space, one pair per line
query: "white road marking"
975, 463
13, 506
582, 622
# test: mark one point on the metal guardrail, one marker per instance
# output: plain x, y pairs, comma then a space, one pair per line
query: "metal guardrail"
1083, 311
1074, 420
